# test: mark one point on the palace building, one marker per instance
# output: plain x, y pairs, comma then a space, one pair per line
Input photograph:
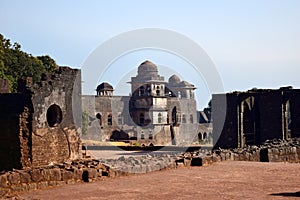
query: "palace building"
157, 112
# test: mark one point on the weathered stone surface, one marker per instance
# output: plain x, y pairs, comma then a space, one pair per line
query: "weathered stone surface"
36, 175
14, 178
33, 133
55, 175
25, 177
66, 175
3, 181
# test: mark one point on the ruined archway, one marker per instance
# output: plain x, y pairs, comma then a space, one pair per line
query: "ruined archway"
247, 122
286, 119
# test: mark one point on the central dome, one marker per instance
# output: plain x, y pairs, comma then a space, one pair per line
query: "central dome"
147, 67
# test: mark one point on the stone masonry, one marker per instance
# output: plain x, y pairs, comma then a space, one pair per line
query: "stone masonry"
38, 124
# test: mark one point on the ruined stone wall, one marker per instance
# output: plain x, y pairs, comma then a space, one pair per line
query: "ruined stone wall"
224, 119
14, 136
55, 135
266, 117
40, 124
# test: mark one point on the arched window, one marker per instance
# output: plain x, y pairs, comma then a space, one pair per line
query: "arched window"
159, 118
150, 136
191, 119
141, 91
142, 136
109, 120
204, 136
174, 116
99, 116
157, 91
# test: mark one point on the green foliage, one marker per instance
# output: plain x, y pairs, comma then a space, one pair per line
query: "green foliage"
15, 64
85, 123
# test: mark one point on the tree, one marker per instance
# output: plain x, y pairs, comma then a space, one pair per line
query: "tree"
15, 64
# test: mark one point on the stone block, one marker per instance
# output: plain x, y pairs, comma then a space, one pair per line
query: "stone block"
46, 174
36, 175
42, 185
66, 175
32, 186
55, 175
16, 188
3, 181
24, 187
14, 178
78, 174
25, 177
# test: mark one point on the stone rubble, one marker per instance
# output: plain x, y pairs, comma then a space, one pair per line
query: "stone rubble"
90, 170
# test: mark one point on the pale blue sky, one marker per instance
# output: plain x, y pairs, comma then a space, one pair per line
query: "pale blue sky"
253, 43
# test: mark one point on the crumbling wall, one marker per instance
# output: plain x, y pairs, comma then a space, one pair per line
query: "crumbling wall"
55, 136
15, 147
40, 124
265, 119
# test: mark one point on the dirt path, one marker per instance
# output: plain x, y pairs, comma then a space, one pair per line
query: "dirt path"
225, 180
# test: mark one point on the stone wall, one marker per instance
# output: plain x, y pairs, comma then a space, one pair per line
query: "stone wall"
97, 169
252, 117
40, 124
54, 125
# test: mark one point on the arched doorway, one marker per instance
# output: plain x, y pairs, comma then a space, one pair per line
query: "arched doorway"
287, 120
247, 122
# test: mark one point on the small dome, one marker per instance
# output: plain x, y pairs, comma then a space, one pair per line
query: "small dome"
186, 84
105, 87
174, 79
147, 67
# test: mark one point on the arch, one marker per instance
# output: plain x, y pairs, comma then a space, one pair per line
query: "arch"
247, 122
150, 136
109, 120
54, 115
191, 119
287, 120
204, 137
200, 137
159, 118
99, 117
174, 116
141, 91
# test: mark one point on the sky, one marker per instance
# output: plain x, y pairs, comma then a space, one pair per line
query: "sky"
252, 43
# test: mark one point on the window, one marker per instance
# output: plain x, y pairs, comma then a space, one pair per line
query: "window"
157, 91
150, 136
183, 119
141, 91
54, 115
142, 136
191, 119
99, 116
159, 118
204, 136
109, 120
